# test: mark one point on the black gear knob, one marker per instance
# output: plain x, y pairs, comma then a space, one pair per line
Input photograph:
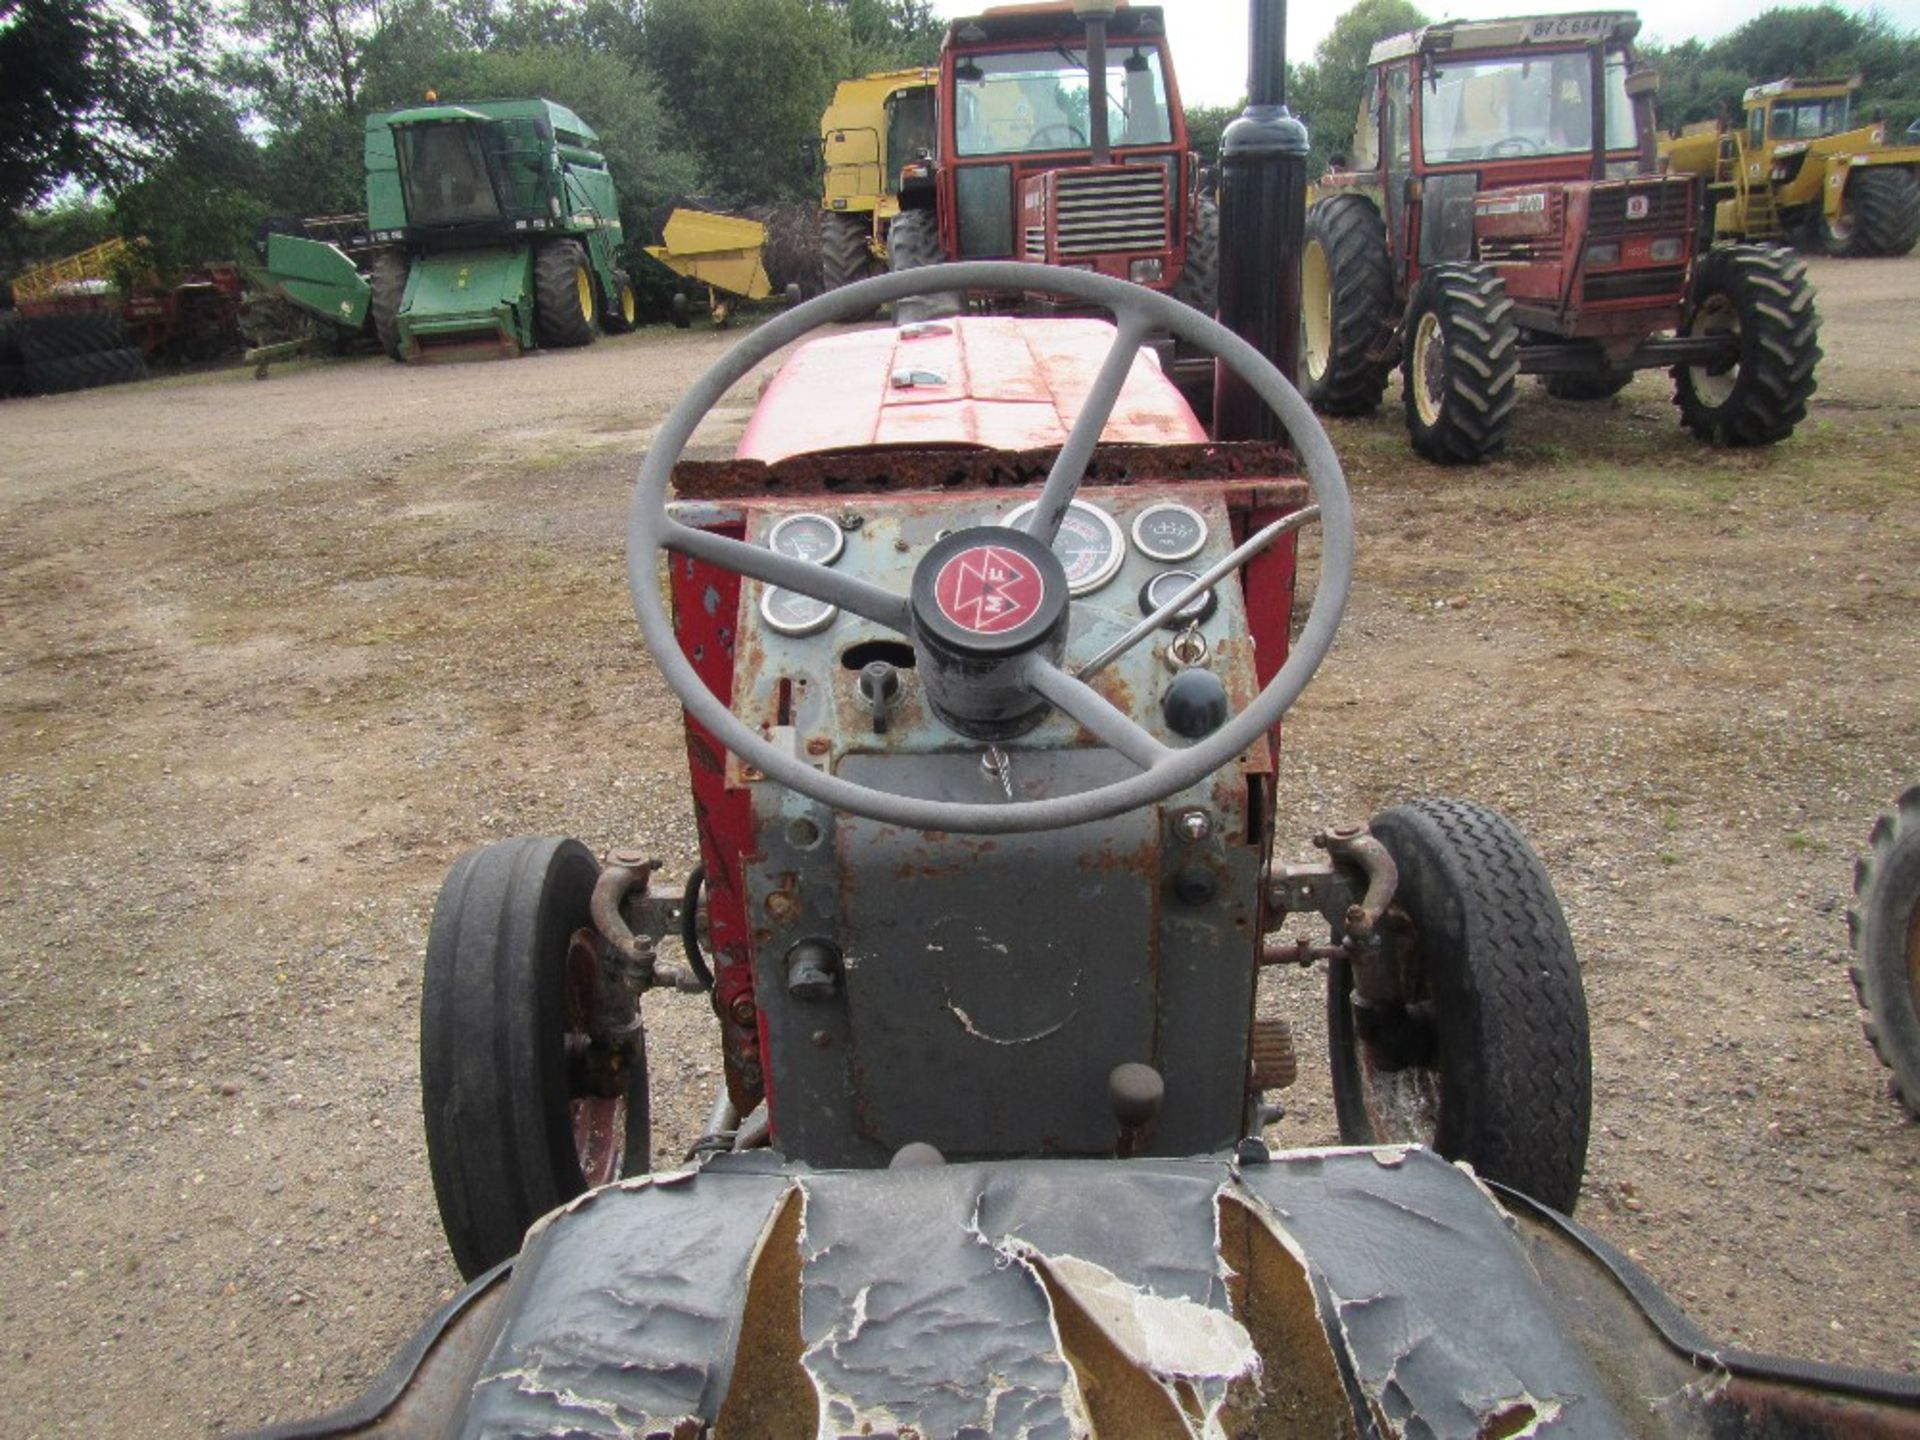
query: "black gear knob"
1195, 703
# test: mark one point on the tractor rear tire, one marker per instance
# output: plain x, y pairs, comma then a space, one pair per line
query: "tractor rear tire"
1346, 307
1881, 214
1485, 1053
1599, 385
390, 272
846, 249
517, 1122
1761, 296
563, 295
913, 241
1461, 364
623, 313
1884, 926
61, 337
85, 372
1199, 282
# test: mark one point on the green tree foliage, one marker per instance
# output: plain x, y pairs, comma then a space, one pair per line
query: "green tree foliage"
1327, 91
1205, 123
747, 80
891, 34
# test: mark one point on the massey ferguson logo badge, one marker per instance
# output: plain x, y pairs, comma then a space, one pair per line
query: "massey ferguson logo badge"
988, 590
1637, 207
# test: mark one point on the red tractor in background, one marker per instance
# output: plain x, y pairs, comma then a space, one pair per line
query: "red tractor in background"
1060, 140
1501, 216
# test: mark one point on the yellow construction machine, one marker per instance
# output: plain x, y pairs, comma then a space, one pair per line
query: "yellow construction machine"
877, 126
1800, 170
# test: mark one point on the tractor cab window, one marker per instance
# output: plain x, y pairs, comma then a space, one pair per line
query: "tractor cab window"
1809, 119
1399, 135
909, 126
1756, 126
446, 175
1521, 105
1012, 101
1365, 150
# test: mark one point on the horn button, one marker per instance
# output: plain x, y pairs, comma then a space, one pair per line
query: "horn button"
984, 601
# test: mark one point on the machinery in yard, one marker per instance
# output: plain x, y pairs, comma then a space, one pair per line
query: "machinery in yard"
1501, 216
496, 229
1884, 926
723, 253
1801, 170
876, 127
1059, 139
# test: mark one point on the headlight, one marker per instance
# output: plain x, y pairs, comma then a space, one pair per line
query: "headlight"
1146, 272
1669, 247
1603, 255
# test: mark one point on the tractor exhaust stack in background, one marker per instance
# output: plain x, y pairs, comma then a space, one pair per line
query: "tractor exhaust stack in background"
1096, 13
1263, 214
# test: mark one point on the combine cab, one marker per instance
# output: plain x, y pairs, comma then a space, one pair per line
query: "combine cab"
1800, 169
1501, 217
876, 127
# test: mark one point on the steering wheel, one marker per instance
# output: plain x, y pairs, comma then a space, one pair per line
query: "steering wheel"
1079, 135
1163, 769
1514, 145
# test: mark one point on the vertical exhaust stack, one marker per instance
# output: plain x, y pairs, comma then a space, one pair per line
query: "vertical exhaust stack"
1096, 13
1263, 216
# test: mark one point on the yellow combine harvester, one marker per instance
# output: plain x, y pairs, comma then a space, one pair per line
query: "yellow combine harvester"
876, 126
1799, 170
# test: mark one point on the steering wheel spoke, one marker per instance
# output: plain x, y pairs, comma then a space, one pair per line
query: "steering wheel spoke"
817, 582
1107, 724
1070, 465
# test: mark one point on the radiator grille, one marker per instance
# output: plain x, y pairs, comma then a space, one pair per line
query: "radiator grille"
1664, 280
1034, 243
1521, 250
1666, 207
1109, 210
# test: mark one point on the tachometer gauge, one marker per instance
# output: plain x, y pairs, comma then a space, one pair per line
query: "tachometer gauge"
1089, 546
814, 538
1169, 583
1169, 532
791, 613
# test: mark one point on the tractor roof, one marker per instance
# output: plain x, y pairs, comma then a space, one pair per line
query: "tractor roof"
1545, 30
1832, 87
561, 121
1048, 21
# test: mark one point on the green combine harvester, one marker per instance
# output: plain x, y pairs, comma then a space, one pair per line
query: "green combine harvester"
496, 229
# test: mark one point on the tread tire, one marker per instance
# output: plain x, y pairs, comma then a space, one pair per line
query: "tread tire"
390, 272
1353, 237
85, 372
1885, 206
913, 241
846, 254
1884, 928
1199, 284
1478, 361
60, 337
558, 318
493, 1052
1509, 1011
1766, 291
613, 315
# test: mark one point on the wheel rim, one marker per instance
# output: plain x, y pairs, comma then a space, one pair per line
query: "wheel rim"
1714, 384
1429, 369
1840, 227
583, 284
627, 307
598, 1118
1316, 310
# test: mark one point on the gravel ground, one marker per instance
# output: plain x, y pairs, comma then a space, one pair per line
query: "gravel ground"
276, 652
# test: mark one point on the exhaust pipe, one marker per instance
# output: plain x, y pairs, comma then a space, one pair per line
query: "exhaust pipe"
1096, 13
1263, 216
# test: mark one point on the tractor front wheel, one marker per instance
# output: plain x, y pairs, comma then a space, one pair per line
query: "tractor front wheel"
1199, 282
624, 312
527, 1102
913, 241
1346, 307
1759, 300
1879, 216
1461, 364
563, 299
389, 285
846, 249
1884, 925
1478, 1044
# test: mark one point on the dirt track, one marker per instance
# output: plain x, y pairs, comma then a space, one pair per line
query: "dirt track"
275, 653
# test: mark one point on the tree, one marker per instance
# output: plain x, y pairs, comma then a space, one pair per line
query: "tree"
891, 34
1328, 91
746, 81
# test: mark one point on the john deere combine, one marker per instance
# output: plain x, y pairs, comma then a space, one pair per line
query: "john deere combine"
495, 227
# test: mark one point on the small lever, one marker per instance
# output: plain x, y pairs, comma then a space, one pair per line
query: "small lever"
879, 686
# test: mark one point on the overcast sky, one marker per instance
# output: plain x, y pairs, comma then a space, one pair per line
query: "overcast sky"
1209, 37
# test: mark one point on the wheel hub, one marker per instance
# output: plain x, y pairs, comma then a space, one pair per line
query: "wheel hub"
1430, 365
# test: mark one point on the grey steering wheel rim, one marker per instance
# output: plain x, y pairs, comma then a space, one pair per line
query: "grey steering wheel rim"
1136, 310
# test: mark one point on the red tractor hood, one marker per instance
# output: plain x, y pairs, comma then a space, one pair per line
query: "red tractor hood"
982, 382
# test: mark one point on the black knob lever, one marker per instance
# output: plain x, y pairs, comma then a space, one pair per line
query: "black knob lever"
879, 687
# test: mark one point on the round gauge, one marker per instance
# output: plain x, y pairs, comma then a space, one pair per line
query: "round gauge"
1169, 532
791, 613
1169, 583
813, 538
1089, 544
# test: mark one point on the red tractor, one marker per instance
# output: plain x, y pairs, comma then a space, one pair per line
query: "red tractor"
1500, 216
1060, 140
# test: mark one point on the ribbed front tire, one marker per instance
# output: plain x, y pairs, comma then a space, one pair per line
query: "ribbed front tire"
1346, 307
1761, 299
563, 299
1460, 364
